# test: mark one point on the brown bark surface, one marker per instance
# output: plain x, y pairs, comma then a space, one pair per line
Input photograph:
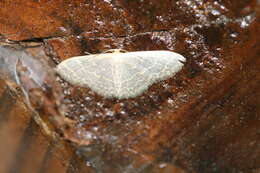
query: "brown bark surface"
204, 119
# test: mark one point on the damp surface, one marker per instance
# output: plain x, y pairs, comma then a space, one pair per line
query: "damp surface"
204, 119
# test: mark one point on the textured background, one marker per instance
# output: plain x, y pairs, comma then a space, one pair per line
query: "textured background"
206, 119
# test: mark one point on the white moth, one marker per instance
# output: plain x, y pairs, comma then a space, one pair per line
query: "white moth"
120, 75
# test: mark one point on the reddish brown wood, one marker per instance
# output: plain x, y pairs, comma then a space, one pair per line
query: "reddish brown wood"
205, 119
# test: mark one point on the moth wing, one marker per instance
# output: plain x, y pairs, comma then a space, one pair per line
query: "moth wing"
138, 70
88, 71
